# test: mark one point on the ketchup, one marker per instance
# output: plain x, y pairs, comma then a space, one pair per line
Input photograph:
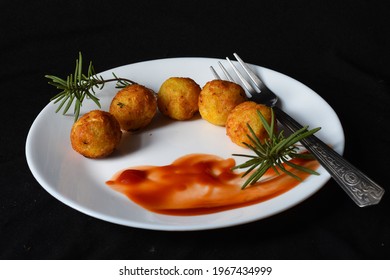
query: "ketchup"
198, 184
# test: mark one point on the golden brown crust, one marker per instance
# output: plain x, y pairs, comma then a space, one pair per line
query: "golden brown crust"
96, 134
134, 107
218, 98
243, 114
178, 98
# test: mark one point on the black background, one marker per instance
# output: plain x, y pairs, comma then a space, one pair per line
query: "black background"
340, 49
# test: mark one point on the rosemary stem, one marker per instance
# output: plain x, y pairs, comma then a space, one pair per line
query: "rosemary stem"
117, 79
273, 152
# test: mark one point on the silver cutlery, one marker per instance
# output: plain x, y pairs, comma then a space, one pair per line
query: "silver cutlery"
361, 189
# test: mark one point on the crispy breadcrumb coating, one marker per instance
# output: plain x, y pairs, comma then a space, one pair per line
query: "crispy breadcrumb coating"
96, 134
218, 98
134, 107
178, 98
243, 114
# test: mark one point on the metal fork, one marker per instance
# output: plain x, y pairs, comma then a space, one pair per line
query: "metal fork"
362, 190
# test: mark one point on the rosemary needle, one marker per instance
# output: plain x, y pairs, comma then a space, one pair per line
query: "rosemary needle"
273, 152
78, 86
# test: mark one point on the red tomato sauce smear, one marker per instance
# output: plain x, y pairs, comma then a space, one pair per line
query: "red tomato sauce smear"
198, 184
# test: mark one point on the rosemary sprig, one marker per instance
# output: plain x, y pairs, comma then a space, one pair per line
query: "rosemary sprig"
78, 86
275, 151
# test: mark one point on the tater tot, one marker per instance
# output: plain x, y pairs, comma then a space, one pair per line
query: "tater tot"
134, 107
218, 98
178, 98
243, 114
96, 134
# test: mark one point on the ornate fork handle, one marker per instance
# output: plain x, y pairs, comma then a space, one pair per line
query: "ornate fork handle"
357, 185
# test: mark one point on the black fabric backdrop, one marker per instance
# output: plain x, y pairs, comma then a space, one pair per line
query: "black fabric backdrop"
340, 49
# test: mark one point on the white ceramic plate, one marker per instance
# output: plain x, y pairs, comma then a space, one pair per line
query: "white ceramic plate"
80, 182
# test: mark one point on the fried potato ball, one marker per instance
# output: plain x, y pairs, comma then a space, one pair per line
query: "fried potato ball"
178, 98
134, 107
218, 98
96, 134
246, 113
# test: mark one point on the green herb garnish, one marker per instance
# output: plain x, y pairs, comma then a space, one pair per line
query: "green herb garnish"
77, 86
274, 152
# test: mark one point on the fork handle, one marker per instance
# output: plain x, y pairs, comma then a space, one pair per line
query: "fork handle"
362, 190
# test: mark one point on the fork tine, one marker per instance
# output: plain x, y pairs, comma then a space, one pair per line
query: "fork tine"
250, 73
225, 72
242, 79
215, 74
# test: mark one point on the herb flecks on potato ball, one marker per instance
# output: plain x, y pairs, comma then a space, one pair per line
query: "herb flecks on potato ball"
134, 107
178, 98
218, 98
246, 113
96, 134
